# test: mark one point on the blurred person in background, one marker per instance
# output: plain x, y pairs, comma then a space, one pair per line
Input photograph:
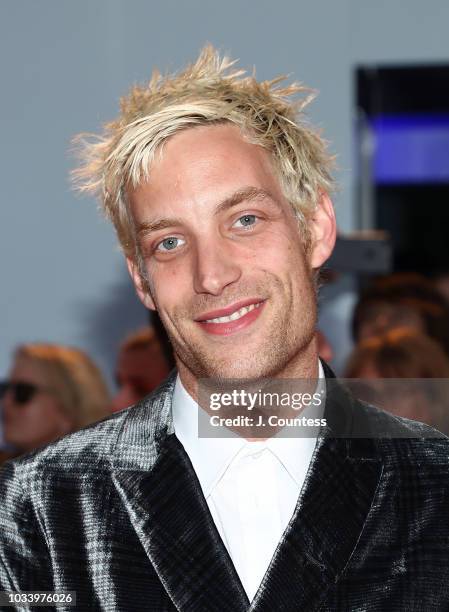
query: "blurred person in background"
325, 350
52, 390
403, 354
141, 367
402, 300
441, 283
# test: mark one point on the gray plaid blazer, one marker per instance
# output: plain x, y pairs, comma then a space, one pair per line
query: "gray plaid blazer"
115, 512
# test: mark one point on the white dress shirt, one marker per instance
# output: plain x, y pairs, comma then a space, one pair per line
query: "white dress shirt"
251, 487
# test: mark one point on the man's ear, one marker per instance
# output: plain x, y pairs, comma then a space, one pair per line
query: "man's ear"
141, 290
323, 229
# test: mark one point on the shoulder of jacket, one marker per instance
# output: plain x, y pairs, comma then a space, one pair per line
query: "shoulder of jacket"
90, 450
405, 439
87, 447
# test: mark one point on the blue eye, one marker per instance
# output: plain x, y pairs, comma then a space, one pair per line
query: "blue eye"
247, 220
169, 244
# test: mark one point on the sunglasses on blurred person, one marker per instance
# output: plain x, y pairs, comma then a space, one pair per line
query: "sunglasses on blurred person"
22, 392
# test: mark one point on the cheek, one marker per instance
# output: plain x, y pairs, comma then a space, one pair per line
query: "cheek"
44, 416
284, 255
35, 418
24, 424
274, 249
167, 282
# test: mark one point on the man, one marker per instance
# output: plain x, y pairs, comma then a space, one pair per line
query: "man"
218, 191
141, 367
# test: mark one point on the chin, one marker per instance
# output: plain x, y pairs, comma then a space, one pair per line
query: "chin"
241, 367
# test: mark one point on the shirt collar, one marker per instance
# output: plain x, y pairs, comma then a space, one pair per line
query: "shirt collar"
211, 457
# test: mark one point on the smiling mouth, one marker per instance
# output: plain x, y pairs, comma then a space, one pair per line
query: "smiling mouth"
237, 314
233, 318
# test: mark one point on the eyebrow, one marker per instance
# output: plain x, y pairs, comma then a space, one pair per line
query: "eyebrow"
246, 194
242, 195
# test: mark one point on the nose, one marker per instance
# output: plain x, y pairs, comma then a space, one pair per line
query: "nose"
216, 266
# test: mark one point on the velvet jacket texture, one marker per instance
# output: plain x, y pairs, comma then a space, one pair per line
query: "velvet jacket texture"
115, 512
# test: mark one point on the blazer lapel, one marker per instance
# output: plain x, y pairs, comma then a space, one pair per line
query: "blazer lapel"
170, 515
330, 515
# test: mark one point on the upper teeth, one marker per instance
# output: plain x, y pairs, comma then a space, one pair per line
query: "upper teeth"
235, 315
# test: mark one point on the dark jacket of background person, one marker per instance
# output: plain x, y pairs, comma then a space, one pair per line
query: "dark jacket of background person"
405, 373
5, 456
370, 530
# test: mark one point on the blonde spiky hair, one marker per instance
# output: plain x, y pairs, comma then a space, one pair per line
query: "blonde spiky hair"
208, 92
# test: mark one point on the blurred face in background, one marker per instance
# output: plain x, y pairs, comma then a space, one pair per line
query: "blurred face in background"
39, 420
139, 371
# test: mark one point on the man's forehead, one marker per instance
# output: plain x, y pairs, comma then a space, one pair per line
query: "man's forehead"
213, 153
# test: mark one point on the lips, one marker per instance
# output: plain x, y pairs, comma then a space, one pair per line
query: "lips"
233, 318
228, 310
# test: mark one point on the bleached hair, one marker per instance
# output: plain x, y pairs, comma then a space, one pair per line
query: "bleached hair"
208, 92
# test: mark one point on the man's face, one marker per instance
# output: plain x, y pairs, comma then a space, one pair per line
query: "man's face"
224, 258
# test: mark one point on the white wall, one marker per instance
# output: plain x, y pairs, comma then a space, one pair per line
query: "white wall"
64, 65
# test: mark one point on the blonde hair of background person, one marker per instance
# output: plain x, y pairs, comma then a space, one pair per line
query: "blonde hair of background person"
207, 92
67, 375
